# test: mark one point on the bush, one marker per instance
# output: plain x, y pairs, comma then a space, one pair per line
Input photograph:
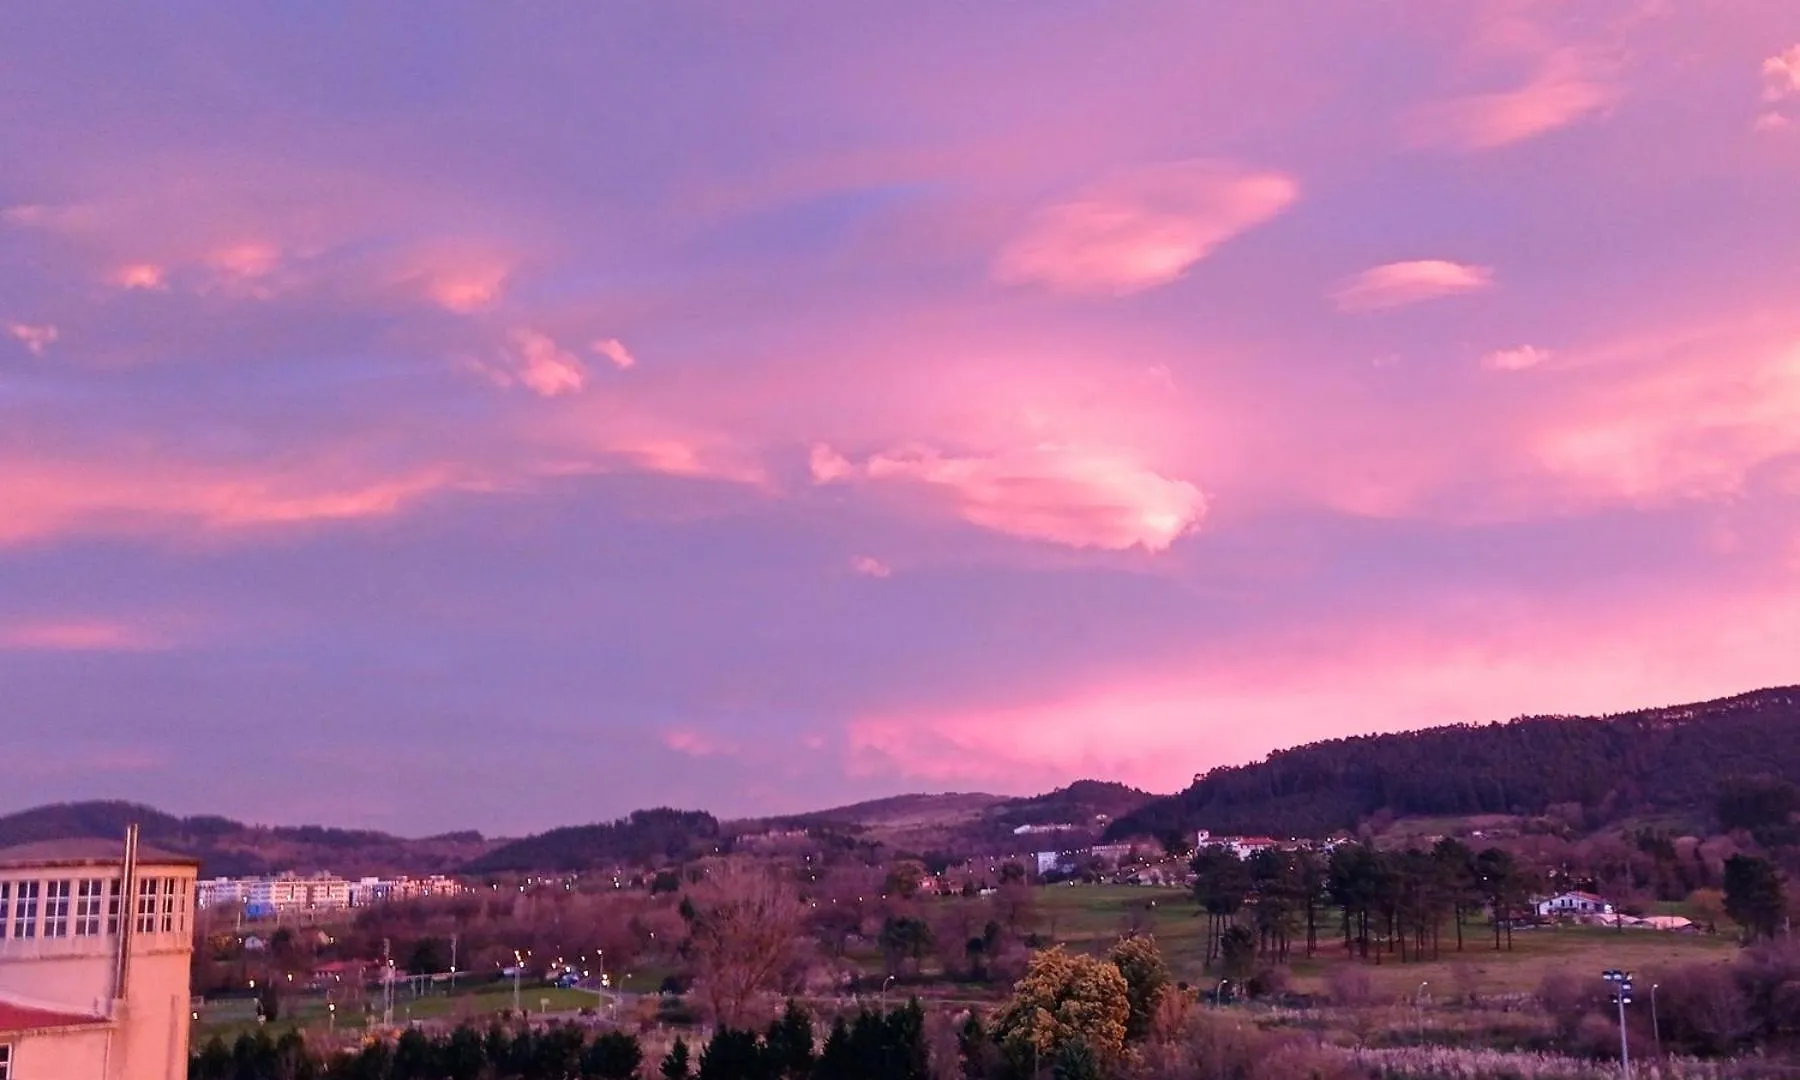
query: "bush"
1349, 985
1268, 982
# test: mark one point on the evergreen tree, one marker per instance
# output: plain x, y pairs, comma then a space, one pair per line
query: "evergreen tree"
613, 1055
676, 1066
1753, 896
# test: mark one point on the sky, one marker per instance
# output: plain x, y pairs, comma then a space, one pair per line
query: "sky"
508, 415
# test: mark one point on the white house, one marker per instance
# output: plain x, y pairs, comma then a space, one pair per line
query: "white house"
95, 942
1573, 903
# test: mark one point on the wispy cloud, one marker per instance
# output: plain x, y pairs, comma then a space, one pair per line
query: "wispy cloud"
1400, 283
870, 566
614, 350
1142, 228
1517, 359
146, 276
35, 337
79, 635
696, 743
1569, 86
544, 367
1781, 75
1059, 494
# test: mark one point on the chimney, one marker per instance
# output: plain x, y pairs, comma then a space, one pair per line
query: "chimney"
127, 914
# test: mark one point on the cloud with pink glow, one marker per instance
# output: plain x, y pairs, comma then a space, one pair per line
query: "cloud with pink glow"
967, 396
1141, 228
1398, 284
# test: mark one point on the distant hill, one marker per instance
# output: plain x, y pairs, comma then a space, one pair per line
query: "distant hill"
643, 836
973, 821
1662, 760
229, 848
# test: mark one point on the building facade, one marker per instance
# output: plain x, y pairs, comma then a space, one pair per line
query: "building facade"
96, 937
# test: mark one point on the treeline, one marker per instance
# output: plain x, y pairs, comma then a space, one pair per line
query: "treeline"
645, 836
1670, 759
875, 1045
1402, 904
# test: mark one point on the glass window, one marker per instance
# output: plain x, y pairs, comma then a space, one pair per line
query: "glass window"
5, 1061
56, 908
146, 906
168, 905
25, 910
181, 904
5, 909
88, 896
112, 906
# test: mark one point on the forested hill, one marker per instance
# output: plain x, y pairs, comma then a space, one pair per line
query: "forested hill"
228, 848
1668, 759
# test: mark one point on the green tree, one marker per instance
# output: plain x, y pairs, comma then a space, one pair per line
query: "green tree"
429, 956
613, 1055
789, 1043
1221, 884
1065, 998
904, 879
1146, 979
904, 938
676, 1065
1754, 897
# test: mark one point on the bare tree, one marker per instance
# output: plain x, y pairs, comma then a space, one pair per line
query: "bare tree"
744, 933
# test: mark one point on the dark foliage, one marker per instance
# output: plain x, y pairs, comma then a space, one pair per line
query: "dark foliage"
644, 836
1669, 759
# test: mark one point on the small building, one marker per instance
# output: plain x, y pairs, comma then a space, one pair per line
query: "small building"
1573, 903
96, 938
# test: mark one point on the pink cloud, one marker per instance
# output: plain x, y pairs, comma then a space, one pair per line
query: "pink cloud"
1400, 283
1781, 75
78, 636
545, 367
869, 566
1142, 228
1690, 427
147, 276
614, 350
1771, 121
1517, 359
1567, 87
695, 743
36, 338
46, 497
1058, 494
1157, 727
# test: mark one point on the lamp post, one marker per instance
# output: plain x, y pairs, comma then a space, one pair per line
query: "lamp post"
1621, 981
884, 988
1419, 1009
518, 966
1219, 992
1655, 1025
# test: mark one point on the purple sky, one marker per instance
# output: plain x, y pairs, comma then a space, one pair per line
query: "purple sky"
502, 416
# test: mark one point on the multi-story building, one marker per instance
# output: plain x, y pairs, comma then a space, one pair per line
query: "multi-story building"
289, 894
95, 942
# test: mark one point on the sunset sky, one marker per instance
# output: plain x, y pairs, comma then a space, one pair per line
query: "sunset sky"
496, 416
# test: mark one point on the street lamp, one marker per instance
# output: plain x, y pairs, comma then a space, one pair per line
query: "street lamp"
1419, 1009
1621, 981
518, 966
1655, 1026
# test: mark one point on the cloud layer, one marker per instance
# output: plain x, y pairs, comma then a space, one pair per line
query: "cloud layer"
937, 396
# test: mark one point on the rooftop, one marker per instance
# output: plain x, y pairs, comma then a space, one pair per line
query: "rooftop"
85, 852
17, 1018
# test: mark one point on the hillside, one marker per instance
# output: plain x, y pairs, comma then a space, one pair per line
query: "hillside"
229, 848
966, 822
1671, 759
645, 836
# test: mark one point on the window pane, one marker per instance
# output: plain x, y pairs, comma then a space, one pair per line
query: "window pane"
25, 910
88, 895
5, 910
56, 909
112, 905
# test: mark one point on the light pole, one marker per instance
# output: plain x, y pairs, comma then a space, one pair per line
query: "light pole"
1219, 993
1621, 981
884, 987
1419, 1009
518, 966
1655, 1025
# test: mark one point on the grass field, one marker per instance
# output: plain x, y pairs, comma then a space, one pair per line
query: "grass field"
1090, 917
228, 1019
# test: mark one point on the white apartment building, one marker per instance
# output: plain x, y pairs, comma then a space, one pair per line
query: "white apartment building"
95, 942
